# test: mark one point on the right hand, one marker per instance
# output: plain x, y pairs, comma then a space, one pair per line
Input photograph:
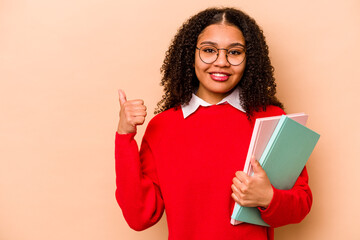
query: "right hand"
132, 113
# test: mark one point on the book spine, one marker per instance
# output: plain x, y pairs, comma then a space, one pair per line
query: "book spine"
236, 212
247, 165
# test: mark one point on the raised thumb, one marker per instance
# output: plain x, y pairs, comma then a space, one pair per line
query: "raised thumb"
122, 97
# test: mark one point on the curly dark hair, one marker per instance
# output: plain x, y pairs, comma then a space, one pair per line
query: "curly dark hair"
179, 80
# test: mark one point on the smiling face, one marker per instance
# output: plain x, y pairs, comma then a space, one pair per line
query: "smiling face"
218, 79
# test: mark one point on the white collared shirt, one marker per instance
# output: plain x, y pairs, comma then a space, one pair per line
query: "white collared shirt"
195, 102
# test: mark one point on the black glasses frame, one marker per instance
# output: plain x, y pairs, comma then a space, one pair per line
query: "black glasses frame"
217, 55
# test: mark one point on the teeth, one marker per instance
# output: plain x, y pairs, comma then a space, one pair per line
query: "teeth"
219, 74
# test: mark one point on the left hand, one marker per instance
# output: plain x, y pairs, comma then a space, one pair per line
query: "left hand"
252, 191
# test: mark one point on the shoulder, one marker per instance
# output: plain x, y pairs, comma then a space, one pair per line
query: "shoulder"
165, 116
160, 122
269, 112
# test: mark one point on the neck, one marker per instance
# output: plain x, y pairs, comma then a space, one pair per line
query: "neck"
212, 97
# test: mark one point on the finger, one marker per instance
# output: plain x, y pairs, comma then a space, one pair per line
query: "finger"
236, 199
235, 189
135, 107
256, 165
122, 96
242, 176
135, 110
240, 187
130, 109
139, 120
133, 121
236, 182
138, 113
135, 102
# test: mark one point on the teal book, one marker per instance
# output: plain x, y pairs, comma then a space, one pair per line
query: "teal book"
283, 159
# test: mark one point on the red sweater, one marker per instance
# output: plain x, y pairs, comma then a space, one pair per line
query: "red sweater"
186, 166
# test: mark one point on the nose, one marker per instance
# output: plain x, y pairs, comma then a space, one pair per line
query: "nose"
222, 59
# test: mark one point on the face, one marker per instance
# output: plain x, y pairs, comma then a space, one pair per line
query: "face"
218, 79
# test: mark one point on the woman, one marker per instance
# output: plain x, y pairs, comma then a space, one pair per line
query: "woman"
217, 79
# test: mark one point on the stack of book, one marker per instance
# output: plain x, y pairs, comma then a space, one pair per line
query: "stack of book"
282, 145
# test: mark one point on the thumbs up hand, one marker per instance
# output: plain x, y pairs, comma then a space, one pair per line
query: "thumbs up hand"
252, 191
132, 113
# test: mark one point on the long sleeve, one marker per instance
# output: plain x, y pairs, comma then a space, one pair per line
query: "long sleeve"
137, 193
289, 206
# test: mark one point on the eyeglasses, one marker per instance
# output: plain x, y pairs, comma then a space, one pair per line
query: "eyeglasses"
209, 54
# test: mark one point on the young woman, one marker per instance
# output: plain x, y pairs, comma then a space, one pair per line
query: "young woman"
217, 79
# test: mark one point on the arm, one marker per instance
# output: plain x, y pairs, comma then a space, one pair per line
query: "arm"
289, 206
277, 207
137, 193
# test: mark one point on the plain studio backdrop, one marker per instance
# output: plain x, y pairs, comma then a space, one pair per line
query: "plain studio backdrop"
61, 63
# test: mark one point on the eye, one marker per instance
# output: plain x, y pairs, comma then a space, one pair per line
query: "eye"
209, 50
236, 51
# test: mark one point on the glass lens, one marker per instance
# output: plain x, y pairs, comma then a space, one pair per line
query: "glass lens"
208, 54
236, 55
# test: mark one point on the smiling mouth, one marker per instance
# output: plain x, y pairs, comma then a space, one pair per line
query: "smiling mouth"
220, 77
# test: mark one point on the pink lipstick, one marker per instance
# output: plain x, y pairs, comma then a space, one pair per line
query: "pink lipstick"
218, 76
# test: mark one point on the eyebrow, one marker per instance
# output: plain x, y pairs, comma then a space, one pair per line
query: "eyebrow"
214, 43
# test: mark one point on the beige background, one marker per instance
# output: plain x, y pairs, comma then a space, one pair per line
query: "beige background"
61, 63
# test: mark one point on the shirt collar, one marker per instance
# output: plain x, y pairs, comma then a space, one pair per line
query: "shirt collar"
195, 102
